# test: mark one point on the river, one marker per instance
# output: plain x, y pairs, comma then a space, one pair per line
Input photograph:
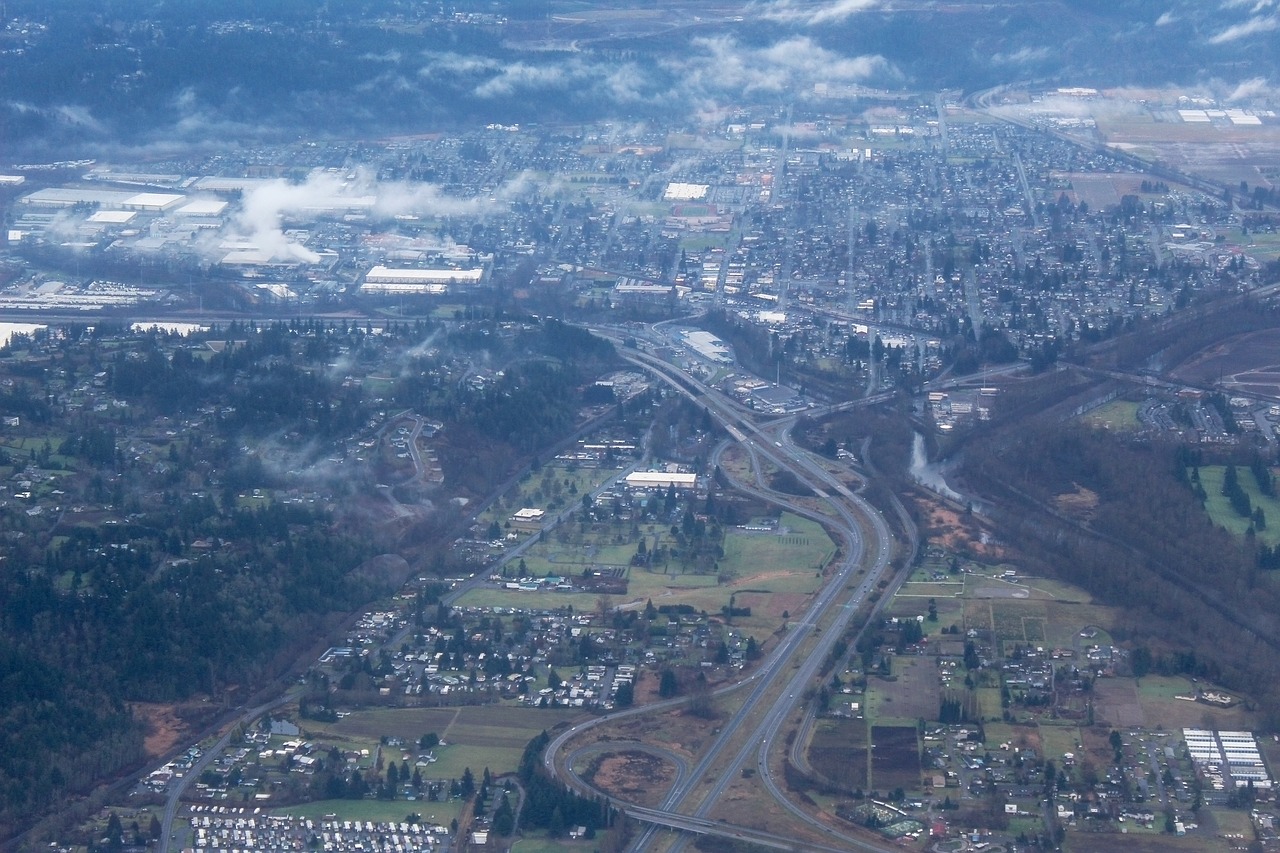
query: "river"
927, 473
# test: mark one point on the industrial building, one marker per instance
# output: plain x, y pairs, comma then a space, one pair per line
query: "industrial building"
384, 281
708, 346
1227, 756
662, 480
67, 197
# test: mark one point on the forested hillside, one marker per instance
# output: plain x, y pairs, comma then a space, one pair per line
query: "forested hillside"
1193, 597
190, 515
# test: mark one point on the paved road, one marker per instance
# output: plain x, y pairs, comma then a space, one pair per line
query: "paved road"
864, 535
178, 787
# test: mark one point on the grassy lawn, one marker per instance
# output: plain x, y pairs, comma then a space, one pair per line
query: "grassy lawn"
1264, 246
1232, 822
989, 703
932, 590
1056, 590
1025, 825
376, 810
1220, 510
799, 545
541, 844
1057, 740
1117, 415
703, 242
1164, 687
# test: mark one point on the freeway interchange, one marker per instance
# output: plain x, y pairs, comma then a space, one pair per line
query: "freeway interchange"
764, 701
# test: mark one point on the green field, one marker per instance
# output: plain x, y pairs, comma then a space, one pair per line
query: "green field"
932, 589
799, 546
1264, 246
770, 571
1164, 687
376, 810
703, 242
1055, 741
492, 736
989, 703
541, 844
1117, 415
1219, 509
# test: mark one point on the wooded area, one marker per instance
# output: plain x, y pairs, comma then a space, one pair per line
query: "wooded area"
168, 578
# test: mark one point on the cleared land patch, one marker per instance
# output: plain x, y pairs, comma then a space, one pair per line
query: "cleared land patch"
838, 751
895, 761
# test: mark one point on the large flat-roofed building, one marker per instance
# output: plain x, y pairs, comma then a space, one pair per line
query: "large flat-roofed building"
153, 202
386, 281
708, 346
202, 207
65, 197
679, 191
112, 217
662, 480
1227, 759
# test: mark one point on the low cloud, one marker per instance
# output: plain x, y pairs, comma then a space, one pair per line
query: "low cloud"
809, 14
265, 207
1249, 89
721, 65
1022, 56
521, 76
449, 64
1253, 26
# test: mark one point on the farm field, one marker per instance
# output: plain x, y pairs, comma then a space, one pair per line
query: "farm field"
895, 761
838, 751
914, 693
492, 736
770, 571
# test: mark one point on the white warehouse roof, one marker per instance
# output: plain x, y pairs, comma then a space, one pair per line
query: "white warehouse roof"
661, 479
202, 207
386, 275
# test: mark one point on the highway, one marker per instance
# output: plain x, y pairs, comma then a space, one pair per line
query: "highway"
782, 678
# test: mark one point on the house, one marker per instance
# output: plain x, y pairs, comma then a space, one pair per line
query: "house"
528, 519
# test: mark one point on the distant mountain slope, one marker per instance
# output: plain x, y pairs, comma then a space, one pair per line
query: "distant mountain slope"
76, 73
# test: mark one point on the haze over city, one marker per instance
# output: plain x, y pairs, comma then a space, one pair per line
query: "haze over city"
642, 425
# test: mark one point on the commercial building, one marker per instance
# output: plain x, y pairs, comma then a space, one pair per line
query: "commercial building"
662, 480
384, 281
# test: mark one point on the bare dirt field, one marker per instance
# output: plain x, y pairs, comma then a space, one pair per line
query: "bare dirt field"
633, 776
169, 724
964, 534
164, 727
1101, 190
1116, 703
895, 761
838, 751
